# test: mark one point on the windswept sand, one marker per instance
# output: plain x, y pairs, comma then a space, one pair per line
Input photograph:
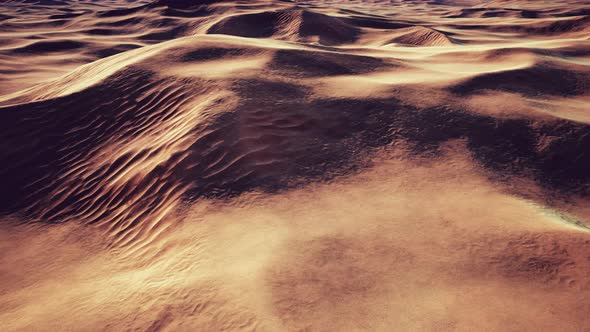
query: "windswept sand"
193, 165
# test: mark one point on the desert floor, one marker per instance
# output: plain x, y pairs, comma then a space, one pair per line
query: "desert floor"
209, 165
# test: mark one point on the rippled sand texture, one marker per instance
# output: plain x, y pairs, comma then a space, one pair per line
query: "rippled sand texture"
199, 165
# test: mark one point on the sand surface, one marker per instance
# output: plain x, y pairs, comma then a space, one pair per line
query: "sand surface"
209, 165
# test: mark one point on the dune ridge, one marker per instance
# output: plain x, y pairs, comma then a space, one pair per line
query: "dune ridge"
421, 36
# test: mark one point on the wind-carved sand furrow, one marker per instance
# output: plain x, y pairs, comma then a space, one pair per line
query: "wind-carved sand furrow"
104, 186
158, 223
224, 165
122, 217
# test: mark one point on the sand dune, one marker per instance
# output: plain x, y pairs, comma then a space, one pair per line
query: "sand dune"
310, 165
421, 36
292, 24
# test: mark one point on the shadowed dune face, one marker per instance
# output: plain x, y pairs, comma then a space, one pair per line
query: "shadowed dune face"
299, 166
420, 36
295, 24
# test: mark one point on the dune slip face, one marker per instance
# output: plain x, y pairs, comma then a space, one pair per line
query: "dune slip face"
283, 165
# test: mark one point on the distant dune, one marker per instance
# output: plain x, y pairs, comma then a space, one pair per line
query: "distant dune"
187, 165
421, 36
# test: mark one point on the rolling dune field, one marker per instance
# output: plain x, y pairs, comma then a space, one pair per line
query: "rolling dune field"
283, 165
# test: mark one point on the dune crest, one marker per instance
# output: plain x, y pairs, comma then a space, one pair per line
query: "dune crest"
421, 36
292, 24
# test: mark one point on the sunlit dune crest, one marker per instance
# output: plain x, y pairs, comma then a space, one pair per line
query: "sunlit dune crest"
276, 165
